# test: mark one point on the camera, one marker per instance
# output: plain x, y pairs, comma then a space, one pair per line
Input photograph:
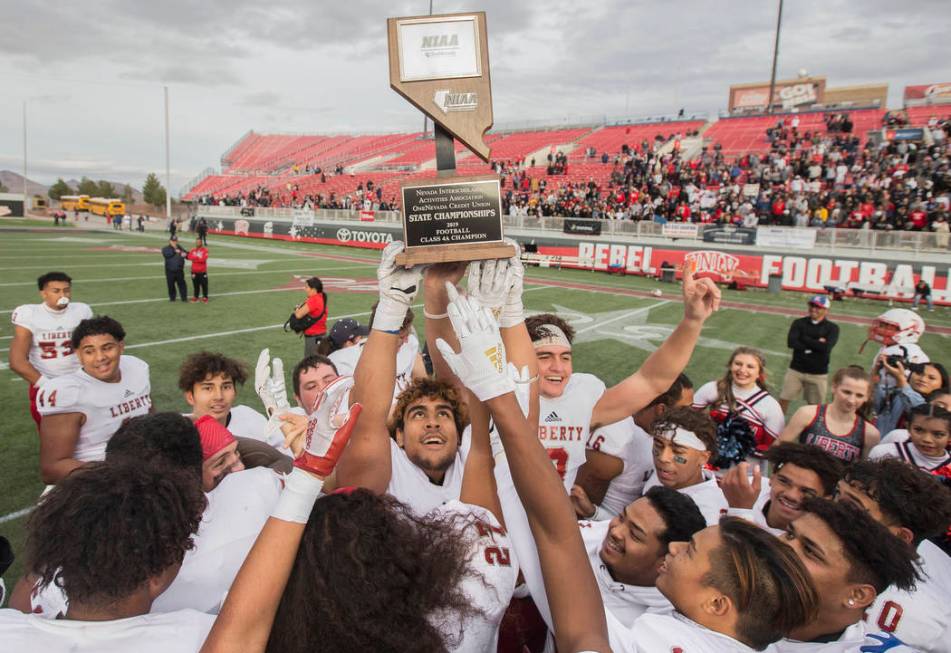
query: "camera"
895, 359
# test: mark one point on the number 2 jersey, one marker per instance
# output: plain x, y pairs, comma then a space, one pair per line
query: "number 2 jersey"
564, 423
51, 352
105, 406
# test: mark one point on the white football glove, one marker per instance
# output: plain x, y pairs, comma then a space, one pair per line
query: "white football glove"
513, 313
398, 287
269, 385
40, 382
489, 283
480, 364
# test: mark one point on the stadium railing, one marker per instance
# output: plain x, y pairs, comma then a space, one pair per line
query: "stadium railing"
832, 239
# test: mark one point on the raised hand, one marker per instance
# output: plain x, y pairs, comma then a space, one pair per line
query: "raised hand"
269, 383
328, 429
481, 364
398, 288
489, 283
739, 489
701, 296
513, 312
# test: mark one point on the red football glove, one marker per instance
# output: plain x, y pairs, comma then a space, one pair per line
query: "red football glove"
328, 429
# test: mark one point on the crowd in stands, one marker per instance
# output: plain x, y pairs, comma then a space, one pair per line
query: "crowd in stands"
820, 177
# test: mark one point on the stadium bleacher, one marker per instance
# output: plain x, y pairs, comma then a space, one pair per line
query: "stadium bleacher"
285, 167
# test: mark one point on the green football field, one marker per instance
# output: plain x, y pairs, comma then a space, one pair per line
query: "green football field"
254, 285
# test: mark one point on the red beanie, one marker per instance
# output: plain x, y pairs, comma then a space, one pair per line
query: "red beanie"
214, 436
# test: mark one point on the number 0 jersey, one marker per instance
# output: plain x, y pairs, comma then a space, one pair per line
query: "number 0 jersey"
564, 423
105, 405
51, 352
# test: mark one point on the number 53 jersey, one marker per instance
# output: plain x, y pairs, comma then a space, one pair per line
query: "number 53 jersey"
51, 352
104, 406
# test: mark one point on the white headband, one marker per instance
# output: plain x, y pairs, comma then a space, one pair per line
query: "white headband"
684, 438
551, 335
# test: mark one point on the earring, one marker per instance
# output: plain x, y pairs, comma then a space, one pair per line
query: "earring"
851, 603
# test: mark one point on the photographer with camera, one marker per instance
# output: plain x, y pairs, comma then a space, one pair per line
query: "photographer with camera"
313, 315
898, 331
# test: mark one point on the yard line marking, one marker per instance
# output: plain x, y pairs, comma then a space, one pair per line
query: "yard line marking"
166, 299
217, 274
16, 515
638, 311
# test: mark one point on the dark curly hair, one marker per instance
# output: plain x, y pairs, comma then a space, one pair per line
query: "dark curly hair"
905, 495
682, 518
44, 279
109, 527
199, 366
827, 467
165, 438
875, 556
101, 325
369, 576
690, 419
536, 326
767, 582
429, 388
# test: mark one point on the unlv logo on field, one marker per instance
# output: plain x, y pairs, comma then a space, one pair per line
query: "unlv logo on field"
712, 263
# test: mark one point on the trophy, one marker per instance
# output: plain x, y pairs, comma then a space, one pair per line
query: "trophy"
441, 65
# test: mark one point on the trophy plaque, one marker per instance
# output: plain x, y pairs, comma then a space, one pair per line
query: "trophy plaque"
441, 65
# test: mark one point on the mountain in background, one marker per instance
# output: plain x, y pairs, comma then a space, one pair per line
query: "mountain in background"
14, 182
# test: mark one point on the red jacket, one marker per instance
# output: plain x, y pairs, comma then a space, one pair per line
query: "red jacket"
199, 259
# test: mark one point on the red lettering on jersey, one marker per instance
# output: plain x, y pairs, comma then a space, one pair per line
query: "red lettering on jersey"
499, 556
676, 649
52, 398
47, 349
890, 616
559, 457
596, 445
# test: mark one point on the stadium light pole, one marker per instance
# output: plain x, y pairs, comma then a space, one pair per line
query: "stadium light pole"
772, 78
24, 158
168, 176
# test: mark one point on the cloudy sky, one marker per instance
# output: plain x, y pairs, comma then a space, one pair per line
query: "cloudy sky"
92, 72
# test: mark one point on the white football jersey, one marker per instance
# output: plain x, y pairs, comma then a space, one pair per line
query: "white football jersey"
409, 483
491, 583
51, 351
921, 619
633, 446
183, 631
564, 423
669, 633
346, 359
105, 405
936, 566
852, 640
625, 602
236, 513
707, 495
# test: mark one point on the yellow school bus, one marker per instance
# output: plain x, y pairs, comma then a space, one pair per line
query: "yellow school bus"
74, 202
106, 206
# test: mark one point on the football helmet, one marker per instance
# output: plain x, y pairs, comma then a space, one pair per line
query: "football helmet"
897, 326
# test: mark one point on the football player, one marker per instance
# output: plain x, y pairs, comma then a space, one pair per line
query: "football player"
81, 410
42, 346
